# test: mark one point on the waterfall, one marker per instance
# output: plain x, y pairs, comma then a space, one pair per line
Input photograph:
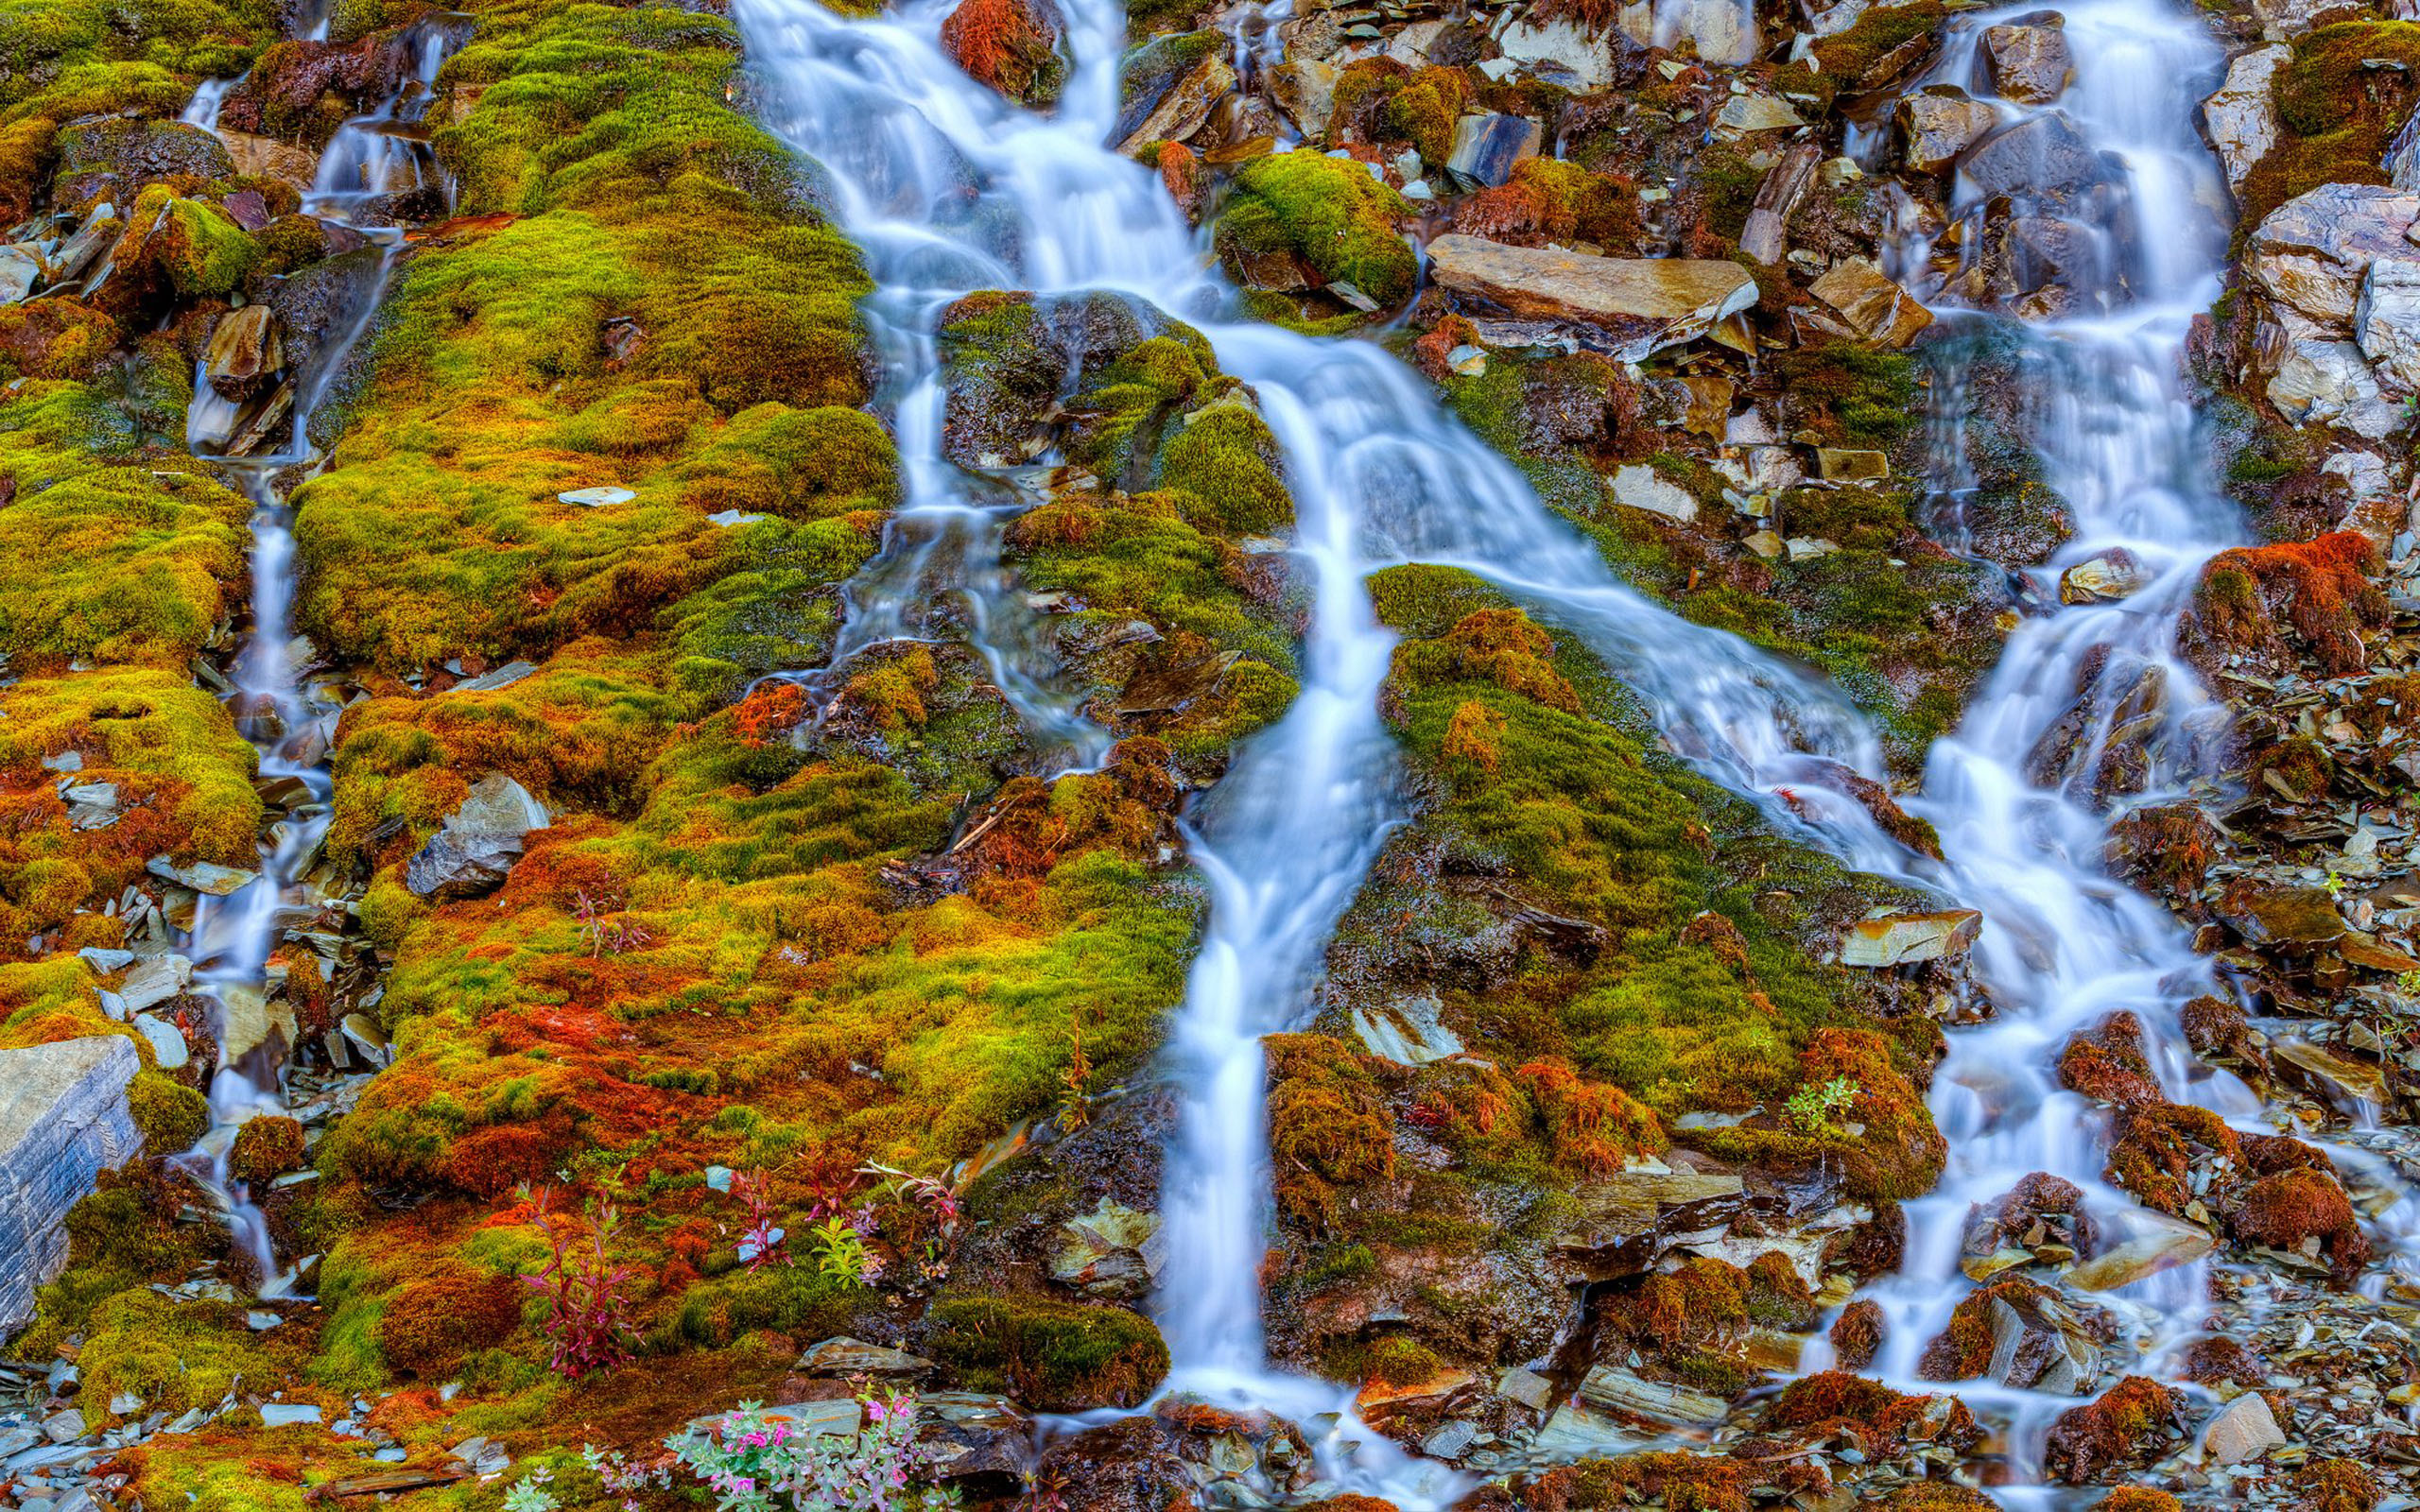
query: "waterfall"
234, 937
950, 190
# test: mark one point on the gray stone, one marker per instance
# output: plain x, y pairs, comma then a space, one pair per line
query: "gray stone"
2402, 163
1487, 148
2244, 1428
1743, 113
20, 271
2029, 64
2040, 157
2241, 118
969, 1434
105, 961
1181, 104
497, 806
1901, 939
2386, 320
286, 1413
461, 864
2043, 1345
2311, 252
1640, 487
596, 498
168, 1045
92, 242
2327, 383
1406, 1031
63, 1120
1560, 52
365, 1041
154, 981
503, 677
2113, 574
1112, 1252
846, 1357
1612, 1388
1644, 304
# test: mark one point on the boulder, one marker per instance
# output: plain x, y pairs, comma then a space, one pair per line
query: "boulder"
1112, 1252
1179, 104
1903, 940
21, 270
2327, 383
1877, 310
2244, 1428
1643, 304
245, 353
1937, 124
2029, 63
2311, 253
477, 842
117, 155
1561, 52
1488, 148
2113, 574
265, 157
2403, 156
63, 1120
846, 1357
2240, 119
1722, 32
2386, 318
2040, 158
967, 1434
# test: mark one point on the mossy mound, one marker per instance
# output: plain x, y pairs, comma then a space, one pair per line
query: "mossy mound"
1051, 1356
1329, 213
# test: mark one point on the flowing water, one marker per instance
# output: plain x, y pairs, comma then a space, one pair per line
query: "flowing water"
234, 938
949, 190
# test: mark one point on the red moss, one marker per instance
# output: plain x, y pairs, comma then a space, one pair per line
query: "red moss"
2319, 589
2138, 1499
2221, 1362
491, 1161
2108, 1065
2158, 1146
1591, 1126
1900, 1154
432, 1322
2165, 851
1505, 648
2123, 1427
2335, 1486
1856, 1334
2292, 1207
770, 712
265, 1149
2215, 1028
1435, 344
1003, 44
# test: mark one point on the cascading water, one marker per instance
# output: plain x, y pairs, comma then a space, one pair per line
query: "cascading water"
949, 190
234, 937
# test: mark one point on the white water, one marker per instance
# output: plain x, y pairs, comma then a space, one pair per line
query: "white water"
234, 937
949, 191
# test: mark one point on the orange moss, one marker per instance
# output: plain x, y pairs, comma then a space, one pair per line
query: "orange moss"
434, 1320
1856, 1334
1328, 1126
2109, 1065
265, 1149
1885, 1419
2157, 1147
770, 712
1678, 1482
2289, 1209
2336, 1486
1475, 734
1505, 648
1900, 1154
1592, 1127
2088, 1442
2321, 588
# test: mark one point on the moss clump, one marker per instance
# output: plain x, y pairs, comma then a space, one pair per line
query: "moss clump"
1051, 1356
1328, 1125
1007, 44
265, 1149
2313, 596
1679, 1482
204, 253
2088, 1442
1329, 213
2300, 1211
2340, 99
1223, 462
171, 1355
1850, 55
171, 1116
437, 1319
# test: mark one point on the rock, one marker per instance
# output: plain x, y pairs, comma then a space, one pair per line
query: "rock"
845, 1357
202, 876
365, 1041
1406, 1031
2402, 163
1765, 235
2040, 157
246, 353
92, 241
1560, 52
503, 677
2244, 1428
63, 1120
459, 864
1612, 1388
2311, 252
115, 156
2327, 383
1901, 939
2240, 119
1183, 104
1743, 113
1640, 487
265, 157
2111, 576
1877, 310
247, 1020
968, 1434
596, 498
1487, 148
155, 982
1845, 464
1645, 304
496, 805
21, 273
1722, 32
2166, 1244
1616, 1224
1125, 1466
1112, 1252
1937, 124
2386, 320
168, 1047
2029, 63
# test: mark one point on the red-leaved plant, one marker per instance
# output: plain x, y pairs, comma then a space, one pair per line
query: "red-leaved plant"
587, 1306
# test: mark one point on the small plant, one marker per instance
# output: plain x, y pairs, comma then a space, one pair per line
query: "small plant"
757, 1464
840, 1253
529, 1493
763, 1237
929, 1220
614, 1471
1816, 1109
605, 934
1075, 1110
587, 1301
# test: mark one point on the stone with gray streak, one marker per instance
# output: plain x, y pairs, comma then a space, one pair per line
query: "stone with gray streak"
63, 1120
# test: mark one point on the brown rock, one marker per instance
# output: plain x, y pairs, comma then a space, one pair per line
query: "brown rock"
1870, 305
1644, 303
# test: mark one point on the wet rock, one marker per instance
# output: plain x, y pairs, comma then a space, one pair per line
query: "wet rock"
2039, 1220
1857, 1333
63, 1120
1112, 1252
1617, 1221
1765, 235
246, 353
2029, 61
1902, 939
1939, 123
1878, 311
249, 1020
973, 1436
263, 157
117, 156
2040, 158
2242, 1430
2323, 382
2311, 252
92, 241
2129, 1424
1722, 32
1639, 487
1643, 305
1617, 1389
2153, 1243
1126, 1466
2021, 1335
2240, 119
1010, 45
201, 876
1487, 148
1406, 1031
845, 1357
1169, 103
2113, 574
2109, 1064
1560, 52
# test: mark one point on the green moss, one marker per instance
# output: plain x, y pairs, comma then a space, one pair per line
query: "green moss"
1223, 462
1055, 1357
170, 1116
1328, 211
205, 254
1848, 55
172, 1355
2340, 99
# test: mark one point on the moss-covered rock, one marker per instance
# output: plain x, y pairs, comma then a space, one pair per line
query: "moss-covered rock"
1051, 1356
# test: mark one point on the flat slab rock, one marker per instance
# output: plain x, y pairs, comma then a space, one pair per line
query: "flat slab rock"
63, 1120
1644, 303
